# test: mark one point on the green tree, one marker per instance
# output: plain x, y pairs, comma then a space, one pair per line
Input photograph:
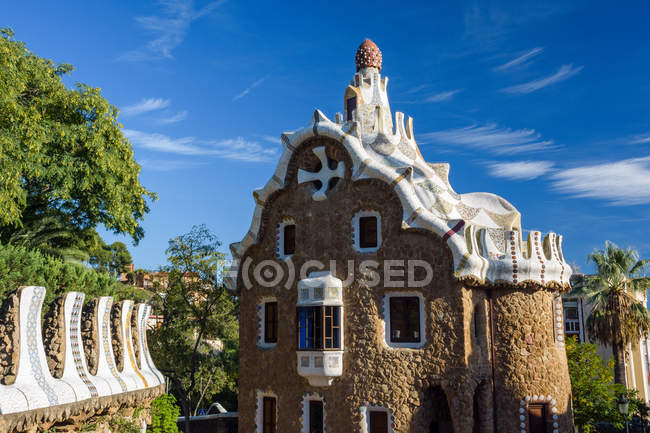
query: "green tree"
164, 413
114, 258
50, 236
618, 318
62, 151
197, 345
594, 393
592, 386
21, 267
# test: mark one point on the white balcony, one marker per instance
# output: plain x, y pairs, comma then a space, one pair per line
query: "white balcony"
320, 367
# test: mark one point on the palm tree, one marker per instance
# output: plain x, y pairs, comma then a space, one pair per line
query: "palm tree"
49, 235
617, 318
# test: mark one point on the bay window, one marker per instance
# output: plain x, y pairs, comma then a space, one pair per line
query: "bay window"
319, 327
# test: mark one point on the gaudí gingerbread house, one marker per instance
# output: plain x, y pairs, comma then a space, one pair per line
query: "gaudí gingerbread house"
376, 299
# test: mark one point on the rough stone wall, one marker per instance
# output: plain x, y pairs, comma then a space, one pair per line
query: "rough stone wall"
447, 381
89, 334
135, 337
9, 339
117, 339
529, 360
54, 337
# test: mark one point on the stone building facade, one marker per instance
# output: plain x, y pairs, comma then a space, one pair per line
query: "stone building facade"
374, 298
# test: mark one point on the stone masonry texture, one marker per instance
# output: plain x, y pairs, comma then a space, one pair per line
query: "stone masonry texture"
469, 329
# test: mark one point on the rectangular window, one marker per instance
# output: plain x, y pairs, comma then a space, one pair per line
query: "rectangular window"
368, 232
378, 421
350, 106
537, 418
315, 416
571, 319
319, 328
289, 246
269, 421
405, 319
271, 322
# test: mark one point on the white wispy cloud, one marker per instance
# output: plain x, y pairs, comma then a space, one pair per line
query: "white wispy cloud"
564, 73
417, 89
443, 96
168, 164
247, 90
640, 139
420, 97
521, 59
173, 118
238, 148
168, 29
269, 138
490, 138
520, 170
621, 183
145, 106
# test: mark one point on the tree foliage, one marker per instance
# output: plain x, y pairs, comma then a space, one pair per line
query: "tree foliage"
618, 317
20, 267
114, 258
594, 392
197, 345
62, 151
164, 413
592, 384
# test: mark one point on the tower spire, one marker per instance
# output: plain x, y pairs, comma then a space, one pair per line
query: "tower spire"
368, 55
366, 100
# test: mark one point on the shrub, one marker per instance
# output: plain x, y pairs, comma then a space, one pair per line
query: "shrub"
22, 267
164, 414
123, 425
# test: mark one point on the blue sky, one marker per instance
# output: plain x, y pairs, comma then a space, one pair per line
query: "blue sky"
546, 105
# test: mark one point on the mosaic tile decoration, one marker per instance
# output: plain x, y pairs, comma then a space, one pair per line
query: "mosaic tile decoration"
367, 406
35, 388
128, 339
260, 322
12, 400
77, 345
33, 326
145, 368
279, 237
523, 411
558, 320
143, 340
304, 416
427, 198
259, 395
106, 343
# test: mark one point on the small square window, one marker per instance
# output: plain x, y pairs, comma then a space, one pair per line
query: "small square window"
271, 322
405, 319
289, 237
368, 232
378, 421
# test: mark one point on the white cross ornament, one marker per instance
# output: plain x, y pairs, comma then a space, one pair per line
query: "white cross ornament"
324, 175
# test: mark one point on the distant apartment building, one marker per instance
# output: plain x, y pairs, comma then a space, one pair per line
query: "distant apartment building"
637, 363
